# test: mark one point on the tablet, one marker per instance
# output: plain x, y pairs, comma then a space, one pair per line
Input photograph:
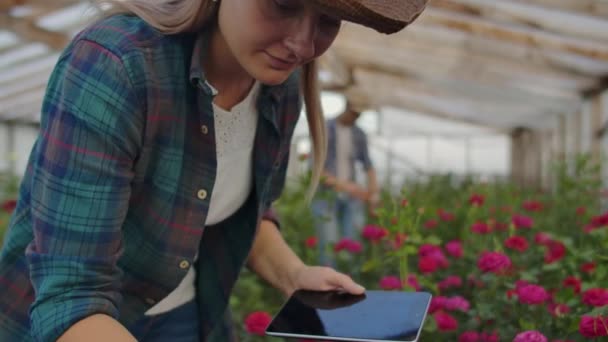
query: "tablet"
375, 316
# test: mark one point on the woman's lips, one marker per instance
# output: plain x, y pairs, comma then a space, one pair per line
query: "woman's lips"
280, 64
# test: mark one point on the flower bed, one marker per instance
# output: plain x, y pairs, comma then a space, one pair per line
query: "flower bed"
503, 264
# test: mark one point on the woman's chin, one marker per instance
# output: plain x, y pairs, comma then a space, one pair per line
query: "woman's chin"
272, 77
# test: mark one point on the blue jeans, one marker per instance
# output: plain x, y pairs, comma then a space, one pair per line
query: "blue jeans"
335, 219
177, 325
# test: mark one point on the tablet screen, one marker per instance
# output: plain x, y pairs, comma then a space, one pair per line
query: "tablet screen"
376, 315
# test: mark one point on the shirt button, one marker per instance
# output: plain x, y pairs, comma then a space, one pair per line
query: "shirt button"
202, 194
150, 301
184, 264
204, 129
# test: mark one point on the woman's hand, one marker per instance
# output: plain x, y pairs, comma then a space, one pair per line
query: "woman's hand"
321, 278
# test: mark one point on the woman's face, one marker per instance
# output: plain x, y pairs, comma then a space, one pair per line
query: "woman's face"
271, 38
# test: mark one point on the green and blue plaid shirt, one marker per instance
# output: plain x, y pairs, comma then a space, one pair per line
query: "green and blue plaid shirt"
112, 207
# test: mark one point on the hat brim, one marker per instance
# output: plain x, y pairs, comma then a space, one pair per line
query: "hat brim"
385, 16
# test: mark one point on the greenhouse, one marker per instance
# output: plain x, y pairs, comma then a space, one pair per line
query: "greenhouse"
478, 170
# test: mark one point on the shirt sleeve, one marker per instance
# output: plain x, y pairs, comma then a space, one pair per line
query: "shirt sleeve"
81, 173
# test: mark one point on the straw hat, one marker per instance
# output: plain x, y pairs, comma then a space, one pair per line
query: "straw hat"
385, 16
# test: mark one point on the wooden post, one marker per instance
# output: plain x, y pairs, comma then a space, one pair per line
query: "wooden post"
526, 161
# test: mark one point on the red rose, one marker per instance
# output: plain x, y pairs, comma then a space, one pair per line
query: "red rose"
532, 206
468, 336
412, 282
257, 322
9, 206
574, 283
521, 221
404, 203
588, 267
518, 243
480, 228
488, 337
532, 294
350, 245
596, 297
542, 238
437, 303
399, 240
555, 252
311, 242
493, 262
427, 265
445, 322
558, 310
431, 224
445, 216
593, 326
374, 233
580, 211
477, 200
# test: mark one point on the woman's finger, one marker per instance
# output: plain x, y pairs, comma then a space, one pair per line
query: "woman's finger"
345, 282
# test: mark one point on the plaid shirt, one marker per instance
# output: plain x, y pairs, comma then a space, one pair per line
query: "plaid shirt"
112, 207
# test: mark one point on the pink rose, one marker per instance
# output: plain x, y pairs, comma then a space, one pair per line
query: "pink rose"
596, 297
592, 327
435, 253
257, 322
457, 303
530, 336
445, 322
454, 248
493, 262
518, 243
532, 294
521, 221
390, 283
450, 281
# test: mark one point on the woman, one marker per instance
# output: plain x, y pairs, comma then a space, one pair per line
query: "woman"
164, 138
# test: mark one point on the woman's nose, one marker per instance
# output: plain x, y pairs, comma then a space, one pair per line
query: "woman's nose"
301, 40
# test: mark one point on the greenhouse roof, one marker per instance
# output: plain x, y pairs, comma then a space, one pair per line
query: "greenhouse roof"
501, 64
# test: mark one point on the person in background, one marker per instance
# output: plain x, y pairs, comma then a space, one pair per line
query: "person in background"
164, 140
338, 207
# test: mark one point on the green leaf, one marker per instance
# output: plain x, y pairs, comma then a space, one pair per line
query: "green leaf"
433, 240
526, 324
369, 265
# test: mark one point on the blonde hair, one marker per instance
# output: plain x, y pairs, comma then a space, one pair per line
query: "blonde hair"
178, 16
